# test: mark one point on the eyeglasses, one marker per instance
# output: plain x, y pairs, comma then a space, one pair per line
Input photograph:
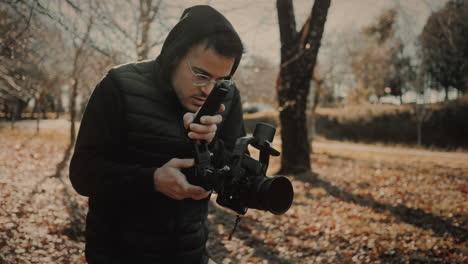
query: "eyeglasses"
202, 79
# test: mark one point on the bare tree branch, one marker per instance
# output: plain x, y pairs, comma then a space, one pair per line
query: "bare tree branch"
287, 22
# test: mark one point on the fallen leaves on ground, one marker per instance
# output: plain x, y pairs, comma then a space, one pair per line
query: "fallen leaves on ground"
357, 207
35, 213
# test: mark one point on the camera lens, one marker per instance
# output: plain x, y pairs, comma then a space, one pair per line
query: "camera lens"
272, 194
280, 195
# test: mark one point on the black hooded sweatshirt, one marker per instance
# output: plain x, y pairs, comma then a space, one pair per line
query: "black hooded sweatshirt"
132, 126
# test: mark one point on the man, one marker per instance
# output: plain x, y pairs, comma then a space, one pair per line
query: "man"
133, 142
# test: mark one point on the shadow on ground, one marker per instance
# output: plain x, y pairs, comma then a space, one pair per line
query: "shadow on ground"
217, 249
417, 217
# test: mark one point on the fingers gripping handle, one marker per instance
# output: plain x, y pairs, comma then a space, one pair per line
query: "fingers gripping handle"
213, 102
199, 175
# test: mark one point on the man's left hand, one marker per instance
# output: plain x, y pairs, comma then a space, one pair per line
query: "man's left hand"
207, 129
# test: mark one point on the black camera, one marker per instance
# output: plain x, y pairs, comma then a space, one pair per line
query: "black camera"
241, 182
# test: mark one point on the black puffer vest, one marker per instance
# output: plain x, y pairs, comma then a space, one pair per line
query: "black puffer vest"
155, 224
147, 225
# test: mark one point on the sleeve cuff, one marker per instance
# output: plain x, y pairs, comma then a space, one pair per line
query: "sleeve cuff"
145, 181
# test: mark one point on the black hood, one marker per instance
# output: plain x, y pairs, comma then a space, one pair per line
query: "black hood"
195, 24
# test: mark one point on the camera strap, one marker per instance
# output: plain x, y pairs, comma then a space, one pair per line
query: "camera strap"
238, 218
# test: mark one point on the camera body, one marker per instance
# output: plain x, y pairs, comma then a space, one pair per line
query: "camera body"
242, 182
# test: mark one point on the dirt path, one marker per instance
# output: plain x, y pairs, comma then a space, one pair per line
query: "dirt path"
380, 149
46, 124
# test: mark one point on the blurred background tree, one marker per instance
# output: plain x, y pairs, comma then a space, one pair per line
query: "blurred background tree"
444, 46
380, 66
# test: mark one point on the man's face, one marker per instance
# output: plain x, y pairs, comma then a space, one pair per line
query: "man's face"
199, 60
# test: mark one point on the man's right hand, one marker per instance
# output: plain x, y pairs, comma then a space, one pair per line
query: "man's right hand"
170, 181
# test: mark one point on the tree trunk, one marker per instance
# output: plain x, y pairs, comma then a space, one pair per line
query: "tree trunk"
73, 95
318, 82
143, 46
295, 144
446, 94
74, 92
68, 151
20, 106
13, 116
298, 57
38, 116
419, 127
59, 108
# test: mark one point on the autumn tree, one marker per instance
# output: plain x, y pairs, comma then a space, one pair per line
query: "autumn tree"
444, 42
26, 49
13, 46
380, 66
299, 51
331, 72
401, 74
